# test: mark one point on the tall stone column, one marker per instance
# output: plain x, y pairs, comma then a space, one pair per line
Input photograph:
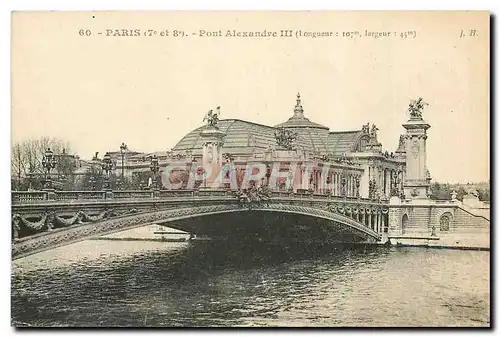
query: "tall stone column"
212, 154
416, 184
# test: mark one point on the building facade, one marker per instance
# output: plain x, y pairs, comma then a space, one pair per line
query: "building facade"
344, 163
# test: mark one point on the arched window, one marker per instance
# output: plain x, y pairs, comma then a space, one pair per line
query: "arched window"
404, 223
363, 142
444, 222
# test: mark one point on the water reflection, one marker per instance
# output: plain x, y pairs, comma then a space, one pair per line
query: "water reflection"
249, 284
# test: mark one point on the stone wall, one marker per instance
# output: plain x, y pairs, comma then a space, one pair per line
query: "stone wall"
443, 220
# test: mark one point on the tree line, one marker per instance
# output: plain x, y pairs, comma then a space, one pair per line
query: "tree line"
443, 191
28, 172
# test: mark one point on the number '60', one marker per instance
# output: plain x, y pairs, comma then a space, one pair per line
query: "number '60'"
84, 32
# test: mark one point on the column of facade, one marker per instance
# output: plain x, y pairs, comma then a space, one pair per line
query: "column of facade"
335, 182
304, 179
359, 187
380, 182
388, 183
384, 182
391, 180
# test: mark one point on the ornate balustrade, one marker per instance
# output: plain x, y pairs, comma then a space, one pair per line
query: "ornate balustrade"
138, 194
80, 195
25, 197
177, 193
20, 198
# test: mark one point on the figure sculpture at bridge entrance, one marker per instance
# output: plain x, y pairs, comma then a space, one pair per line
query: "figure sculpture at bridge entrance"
417, 179
213, 140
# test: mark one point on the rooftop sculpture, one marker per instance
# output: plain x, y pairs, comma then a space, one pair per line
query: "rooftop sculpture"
416, 107
212, 118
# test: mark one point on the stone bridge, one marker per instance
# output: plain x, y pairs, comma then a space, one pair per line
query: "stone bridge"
44, 220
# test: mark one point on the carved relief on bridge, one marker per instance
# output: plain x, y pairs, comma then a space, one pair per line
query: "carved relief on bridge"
56, 237
23, 226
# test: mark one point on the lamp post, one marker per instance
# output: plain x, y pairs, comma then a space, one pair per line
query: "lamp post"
155, 168
48, 162
107, 166
123, 147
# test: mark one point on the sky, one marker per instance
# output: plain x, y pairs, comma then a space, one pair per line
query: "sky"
148, 91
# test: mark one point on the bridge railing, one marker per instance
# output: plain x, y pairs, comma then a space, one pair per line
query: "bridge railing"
24, 197
134, 194
317, 196
21, 197
80, 195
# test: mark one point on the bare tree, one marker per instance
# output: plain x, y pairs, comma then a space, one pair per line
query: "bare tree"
27, 156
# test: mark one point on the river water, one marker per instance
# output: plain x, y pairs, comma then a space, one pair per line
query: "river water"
158, 284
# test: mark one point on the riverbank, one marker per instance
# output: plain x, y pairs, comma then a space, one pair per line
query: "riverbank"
480, 242
462, 241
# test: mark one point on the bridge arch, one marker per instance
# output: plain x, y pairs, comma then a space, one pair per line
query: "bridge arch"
63, 236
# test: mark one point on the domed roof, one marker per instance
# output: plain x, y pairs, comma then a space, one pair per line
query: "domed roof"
240, 136
244, 137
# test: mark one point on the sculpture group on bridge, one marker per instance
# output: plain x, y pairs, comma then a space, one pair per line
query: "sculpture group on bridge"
254, 194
